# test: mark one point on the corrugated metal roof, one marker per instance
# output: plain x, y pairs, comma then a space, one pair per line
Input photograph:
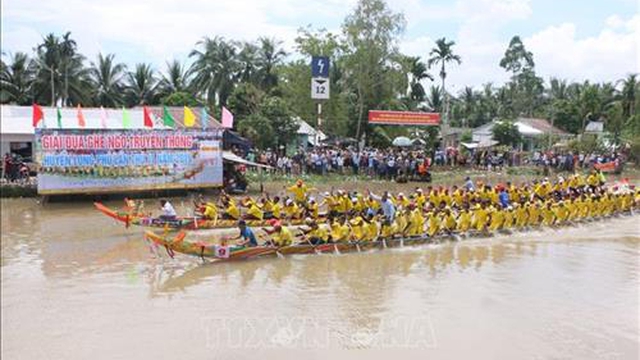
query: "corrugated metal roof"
18, 119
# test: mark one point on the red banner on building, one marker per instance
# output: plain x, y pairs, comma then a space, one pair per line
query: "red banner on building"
413, 118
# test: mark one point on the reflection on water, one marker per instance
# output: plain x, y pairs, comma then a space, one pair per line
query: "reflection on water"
82, 287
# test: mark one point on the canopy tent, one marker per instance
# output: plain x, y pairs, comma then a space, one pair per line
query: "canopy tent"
480, 145
231, 138
402, 141
229, 156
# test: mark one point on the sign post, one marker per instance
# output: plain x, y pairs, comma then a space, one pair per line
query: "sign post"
319, 86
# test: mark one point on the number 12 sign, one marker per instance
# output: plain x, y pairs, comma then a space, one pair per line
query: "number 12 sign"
320, 88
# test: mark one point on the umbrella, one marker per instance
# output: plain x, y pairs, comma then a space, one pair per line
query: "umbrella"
402, 141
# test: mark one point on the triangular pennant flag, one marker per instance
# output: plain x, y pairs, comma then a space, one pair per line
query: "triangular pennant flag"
189, 117
126, 120
59, 116
38, 115
103, 117
167, 119
227, 118
81, 122
204, 118
148, 122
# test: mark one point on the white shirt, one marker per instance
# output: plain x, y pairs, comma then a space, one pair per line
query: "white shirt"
168, 210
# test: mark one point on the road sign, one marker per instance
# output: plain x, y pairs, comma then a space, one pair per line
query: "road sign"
320, 66
319, 88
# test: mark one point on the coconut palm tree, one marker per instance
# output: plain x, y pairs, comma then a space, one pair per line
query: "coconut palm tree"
16, 79
248, 63
107, 77
434, 99
417, 72
443, 54
141, 85
270, 55
215, 69
175, 79
629, 94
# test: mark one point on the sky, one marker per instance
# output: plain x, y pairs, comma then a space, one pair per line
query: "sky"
595, 40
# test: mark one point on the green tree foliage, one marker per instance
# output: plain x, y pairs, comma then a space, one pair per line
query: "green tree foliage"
265, 88
141, 86
106, 77
506, 133
371, 34
16, 79
180, 98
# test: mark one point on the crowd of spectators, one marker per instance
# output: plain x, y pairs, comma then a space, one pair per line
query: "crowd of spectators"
393, 162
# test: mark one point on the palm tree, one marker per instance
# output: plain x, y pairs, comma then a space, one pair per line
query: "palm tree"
16, 80
176, 79
270, 55
248, 63
417, 72
443, 54
215, 69
629, 94
107, 79
67, 51
141, 85
434, 99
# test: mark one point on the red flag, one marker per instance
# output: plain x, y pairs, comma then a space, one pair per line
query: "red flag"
147, 117
81, 122
38, 114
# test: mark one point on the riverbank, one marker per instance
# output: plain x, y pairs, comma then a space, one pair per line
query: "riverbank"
274, 183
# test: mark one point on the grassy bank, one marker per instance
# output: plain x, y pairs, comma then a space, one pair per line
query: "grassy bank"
275, 183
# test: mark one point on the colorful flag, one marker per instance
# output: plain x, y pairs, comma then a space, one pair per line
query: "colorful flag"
38, 115
204, 118
103, 117
148, 122
227, 118
81, 122
167, 119
59, 116
126, 120
189, 117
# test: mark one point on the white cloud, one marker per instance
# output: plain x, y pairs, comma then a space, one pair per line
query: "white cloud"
159, 30
607, 56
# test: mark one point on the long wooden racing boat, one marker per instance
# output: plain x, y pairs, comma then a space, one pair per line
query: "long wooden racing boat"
178, 244
130, 218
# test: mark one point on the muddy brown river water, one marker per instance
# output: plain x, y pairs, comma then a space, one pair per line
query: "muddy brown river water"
75, 285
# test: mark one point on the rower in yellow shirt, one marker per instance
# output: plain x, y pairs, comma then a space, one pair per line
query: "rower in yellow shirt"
291, 210
280, 235
231, 211
357, 230
434, 223
254, 212
420, 198
276, 208
300, 190
521, 214
533, 218
371, 228
509, 217
496, 218
548, 216
480, 217
416, 221
464, 220
313, 210
449, 222
339, 230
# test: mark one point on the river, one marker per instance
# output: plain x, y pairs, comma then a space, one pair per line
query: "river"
75, 285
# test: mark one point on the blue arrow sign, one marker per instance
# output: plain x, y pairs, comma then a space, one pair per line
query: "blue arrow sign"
320, 66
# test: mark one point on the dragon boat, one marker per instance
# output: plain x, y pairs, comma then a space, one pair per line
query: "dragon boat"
178, 244
132, 218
